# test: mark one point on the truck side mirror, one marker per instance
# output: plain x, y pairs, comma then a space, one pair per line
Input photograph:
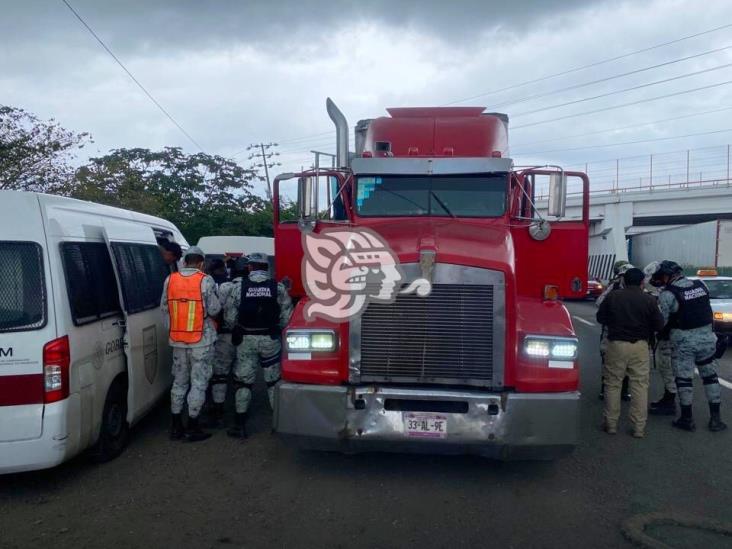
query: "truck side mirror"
307, 202
557, 194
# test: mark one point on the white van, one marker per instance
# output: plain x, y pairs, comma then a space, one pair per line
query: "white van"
235, 246
83, 350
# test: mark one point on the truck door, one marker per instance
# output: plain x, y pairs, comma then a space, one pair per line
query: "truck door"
332, 201
560, 259
140, 273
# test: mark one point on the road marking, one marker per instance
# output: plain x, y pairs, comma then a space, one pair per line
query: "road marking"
725, 383
583, 321
722, 382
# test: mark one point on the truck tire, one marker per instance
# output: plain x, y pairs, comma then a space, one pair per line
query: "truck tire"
115, 431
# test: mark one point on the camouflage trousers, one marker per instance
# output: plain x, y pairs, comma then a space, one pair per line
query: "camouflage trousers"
224, 355
664, 350
191, 372
695, 349
255, 351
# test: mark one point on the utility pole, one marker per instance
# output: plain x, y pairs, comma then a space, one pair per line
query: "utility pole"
262, 151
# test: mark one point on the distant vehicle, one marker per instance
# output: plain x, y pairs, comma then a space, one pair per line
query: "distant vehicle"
235, 246
720, 293
83, 349
693, 247
594, 288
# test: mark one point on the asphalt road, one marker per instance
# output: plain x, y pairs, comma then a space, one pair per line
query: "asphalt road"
221, 493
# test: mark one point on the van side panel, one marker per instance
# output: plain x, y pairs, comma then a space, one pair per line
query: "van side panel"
21, 346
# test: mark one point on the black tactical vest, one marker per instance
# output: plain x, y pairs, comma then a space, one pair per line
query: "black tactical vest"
259, 312
695, 310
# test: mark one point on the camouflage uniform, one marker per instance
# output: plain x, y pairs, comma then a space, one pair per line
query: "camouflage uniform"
256, 350
224, 351
691, 349
664, 351
192, 362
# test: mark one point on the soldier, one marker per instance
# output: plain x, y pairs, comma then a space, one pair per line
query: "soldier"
189, 304
257, 308
224, 350
687, 311
616, 283
661, 354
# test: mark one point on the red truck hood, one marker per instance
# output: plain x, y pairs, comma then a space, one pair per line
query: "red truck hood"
475, 243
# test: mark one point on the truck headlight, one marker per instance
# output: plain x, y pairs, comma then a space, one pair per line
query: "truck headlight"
310, 340
560, 348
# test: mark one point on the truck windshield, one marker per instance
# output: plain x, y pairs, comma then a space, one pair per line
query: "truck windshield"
719, 289
432, 195
22, 295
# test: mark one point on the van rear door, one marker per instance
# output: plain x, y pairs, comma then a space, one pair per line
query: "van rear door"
141, 273
26, 319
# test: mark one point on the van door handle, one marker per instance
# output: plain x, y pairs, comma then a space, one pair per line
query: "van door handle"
120, 323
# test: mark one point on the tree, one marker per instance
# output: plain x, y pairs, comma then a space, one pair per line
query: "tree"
35, 154
204, 195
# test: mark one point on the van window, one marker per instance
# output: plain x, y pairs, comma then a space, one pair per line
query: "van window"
90, 281
142, 273
22, 287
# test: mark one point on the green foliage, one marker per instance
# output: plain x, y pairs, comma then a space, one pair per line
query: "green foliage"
35, 154
204, 195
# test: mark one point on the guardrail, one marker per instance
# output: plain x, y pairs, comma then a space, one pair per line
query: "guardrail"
684, 185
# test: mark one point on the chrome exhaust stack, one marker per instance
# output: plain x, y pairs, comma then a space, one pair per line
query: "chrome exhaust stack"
341, 133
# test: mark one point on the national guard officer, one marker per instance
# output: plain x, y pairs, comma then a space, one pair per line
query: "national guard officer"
687, 311
662, 351
224, 350
189, 304
257, 308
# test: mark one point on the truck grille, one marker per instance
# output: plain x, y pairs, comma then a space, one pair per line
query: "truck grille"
446, 337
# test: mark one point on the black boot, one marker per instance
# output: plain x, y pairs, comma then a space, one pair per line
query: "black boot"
176, 428
666, 406
715, 422
624, 392
215, 414
685, 421
239, 430
194, 432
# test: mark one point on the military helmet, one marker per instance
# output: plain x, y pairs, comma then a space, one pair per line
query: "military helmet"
669, 268
240, 265
258, 258
624, 268
619, 267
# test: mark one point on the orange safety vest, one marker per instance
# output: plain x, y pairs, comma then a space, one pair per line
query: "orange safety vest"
185, 307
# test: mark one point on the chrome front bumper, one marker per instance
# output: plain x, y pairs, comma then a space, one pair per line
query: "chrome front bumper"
496, 425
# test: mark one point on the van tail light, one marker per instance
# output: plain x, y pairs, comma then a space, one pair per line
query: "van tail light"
56, 363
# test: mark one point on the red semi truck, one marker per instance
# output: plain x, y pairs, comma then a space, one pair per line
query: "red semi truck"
484, 364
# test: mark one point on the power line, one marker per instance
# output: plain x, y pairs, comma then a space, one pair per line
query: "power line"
613, 107
635, 142
624, 90
606, 79
594, 64
135, 80
608, 130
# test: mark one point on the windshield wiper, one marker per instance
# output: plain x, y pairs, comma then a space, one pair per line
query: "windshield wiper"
441, 203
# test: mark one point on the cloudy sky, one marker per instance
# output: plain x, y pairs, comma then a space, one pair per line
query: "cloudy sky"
238, 72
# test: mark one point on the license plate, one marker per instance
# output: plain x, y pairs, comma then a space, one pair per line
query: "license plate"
422, 425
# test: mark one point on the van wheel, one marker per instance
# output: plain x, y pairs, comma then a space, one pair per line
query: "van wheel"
115, 430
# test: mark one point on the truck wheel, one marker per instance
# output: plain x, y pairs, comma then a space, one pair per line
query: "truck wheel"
115, 430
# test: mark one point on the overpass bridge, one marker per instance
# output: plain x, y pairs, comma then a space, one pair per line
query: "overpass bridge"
616, 214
